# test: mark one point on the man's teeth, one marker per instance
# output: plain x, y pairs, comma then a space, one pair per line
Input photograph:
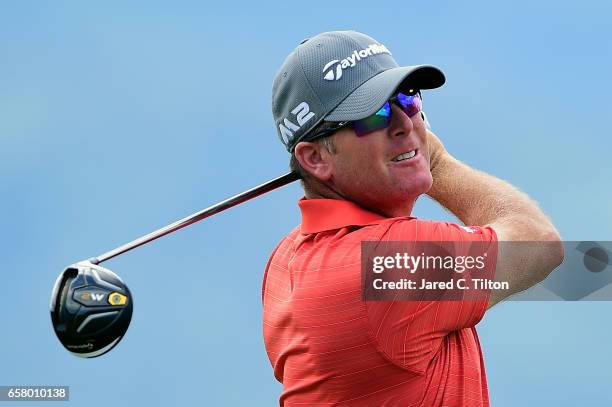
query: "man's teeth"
405, 156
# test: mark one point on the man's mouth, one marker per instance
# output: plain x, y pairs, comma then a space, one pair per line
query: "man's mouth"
405, 156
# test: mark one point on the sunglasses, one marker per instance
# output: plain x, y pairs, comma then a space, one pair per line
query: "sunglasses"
410, 103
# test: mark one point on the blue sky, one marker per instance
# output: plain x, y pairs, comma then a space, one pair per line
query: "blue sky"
116, 119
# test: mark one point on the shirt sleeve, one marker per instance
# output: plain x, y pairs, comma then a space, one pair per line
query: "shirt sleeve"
409, 333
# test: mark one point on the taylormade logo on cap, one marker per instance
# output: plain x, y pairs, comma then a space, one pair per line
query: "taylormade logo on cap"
332, 74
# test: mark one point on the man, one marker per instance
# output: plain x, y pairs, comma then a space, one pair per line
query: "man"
351, 119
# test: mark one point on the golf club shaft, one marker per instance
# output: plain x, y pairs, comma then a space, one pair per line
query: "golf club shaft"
204, 213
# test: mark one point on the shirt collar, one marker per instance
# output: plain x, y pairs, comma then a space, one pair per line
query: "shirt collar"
319, 215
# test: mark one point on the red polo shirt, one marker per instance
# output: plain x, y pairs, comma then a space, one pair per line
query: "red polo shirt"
328, 347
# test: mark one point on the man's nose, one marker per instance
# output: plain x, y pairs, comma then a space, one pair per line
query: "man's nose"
400, 124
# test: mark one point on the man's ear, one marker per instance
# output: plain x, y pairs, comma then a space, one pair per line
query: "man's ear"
315, 159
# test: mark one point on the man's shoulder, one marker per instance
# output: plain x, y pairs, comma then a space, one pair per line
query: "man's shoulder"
422, 230
399, 228
293, 235
398, 225
289, 239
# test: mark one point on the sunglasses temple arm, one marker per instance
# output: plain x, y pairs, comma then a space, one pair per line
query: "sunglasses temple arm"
424, 116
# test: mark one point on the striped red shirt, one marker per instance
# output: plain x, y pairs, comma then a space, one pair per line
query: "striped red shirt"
328, 347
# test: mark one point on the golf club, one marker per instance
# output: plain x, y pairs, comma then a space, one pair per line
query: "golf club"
91, 307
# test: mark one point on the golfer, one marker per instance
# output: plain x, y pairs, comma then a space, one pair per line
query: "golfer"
352, 120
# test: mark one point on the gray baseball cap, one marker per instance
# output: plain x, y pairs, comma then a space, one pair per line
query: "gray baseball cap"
339, 76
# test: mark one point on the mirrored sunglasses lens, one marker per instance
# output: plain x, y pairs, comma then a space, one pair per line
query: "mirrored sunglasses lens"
411, 104
377, 121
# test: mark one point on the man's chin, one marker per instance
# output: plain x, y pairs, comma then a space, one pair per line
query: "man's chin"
417, 186
427, 186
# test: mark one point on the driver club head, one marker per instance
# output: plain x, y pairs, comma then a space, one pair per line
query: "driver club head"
91, 309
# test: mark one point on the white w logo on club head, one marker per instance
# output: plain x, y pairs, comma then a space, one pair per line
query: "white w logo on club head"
330, 76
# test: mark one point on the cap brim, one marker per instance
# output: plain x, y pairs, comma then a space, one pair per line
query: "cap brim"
368, 98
